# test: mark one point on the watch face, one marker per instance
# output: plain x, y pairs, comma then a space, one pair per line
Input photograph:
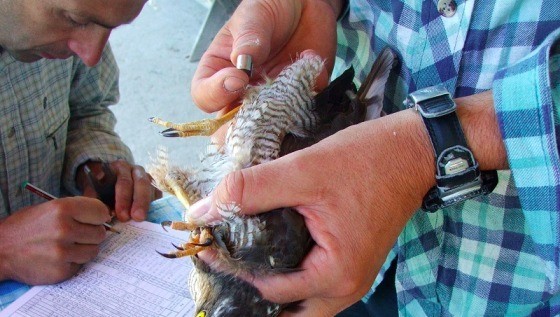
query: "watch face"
455, 166
455, 160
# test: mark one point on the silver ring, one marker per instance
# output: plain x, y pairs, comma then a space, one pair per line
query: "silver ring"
245, 63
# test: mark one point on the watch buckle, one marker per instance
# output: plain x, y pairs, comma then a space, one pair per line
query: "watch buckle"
437, 198
425, 94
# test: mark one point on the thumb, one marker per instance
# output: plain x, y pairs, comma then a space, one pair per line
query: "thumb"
261, 28
251, 35
217, 83
254, 190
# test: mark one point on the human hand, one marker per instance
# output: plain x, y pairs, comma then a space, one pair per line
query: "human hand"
356, 190
133, 188
47, 243
273, 33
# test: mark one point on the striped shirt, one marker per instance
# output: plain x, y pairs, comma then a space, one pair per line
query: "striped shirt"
53, 118
498, 254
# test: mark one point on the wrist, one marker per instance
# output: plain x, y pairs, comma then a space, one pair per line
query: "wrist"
409, 156
480, 126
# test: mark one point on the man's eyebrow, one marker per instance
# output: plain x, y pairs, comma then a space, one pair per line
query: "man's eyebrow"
99, 22
103, 24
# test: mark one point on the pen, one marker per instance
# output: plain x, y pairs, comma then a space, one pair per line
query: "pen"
41, 193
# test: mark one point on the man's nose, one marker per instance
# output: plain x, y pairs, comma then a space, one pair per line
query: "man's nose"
88, 44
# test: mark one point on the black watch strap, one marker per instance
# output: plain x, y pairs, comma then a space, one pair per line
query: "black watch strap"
458, 176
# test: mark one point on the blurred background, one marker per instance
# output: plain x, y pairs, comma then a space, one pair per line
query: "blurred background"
154, 57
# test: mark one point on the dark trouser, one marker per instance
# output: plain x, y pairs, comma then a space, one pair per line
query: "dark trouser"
383, 302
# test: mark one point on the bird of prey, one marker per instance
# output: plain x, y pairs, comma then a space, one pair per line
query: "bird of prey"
283, 115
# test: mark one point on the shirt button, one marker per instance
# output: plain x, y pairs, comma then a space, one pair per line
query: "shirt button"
447, 8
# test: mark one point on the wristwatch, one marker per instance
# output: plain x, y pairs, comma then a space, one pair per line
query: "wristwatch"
457, 174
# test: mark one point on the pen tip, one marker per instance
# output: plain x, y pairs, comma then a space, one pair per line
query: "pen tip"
24, 184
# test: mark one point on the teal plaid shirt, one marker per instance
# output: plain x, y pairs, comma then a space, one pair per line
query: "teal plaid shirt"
499, 254
54, 116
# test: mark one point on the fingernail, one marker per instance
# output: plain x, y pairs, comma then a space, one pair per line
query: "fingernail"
138, 214
233, 84
123, 216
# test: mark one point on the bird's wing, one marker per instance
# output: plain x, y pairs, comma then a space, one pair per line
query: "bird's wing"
372, 89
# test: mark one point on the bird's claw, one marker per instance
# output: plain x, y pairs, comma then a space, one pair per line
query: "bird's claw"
204, 127
170, 133
165, 224
194, 245
177, 247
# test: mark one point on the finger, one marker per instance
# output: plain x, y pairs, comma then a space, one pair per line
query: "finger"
252, 32
124, 189
82, 253
295, 286
89, 192
88, 234
54, 274
143, 193
217, 84
282, 180
83, 209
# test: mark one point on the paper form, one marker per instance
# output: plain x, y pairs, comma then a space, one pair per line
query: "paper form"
128, 278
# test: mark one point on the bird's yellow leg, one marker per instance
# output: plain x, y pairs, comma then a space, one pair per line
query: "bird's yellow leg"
180, 225
205, 127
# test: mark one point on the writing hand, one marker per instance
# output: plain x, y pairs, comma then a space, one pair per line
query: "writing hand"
47, 243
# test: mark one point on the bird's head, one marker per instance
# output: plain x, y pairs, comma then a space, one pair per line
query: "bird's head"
221, 294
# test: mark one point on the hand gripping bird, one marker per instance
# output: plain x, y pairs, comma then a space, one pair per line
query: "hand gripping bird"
278, 117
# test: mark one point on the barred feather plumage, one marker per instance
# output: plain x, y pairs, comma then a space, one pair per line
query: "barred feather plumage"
279, 107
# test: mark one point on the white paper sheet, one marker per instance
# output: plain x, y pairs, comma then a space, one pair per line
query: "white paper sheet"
128, 278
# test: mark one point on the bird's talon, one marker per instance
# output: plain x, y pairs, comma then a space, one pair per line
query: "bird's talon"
177, 247
167, 255
166, 224
207, 243
170, 133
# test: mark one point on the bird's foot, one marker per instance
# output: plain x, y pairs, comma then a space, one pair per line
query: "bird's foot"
205, 127
201, 239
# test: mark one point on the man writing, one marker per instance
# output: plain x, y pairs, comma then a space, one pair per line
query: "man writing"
58, 77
